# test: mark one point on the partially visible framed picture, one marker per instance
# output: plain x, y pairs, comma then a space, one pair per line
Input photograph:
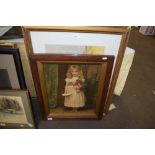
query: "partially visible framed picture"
72, 87
15, 109
11, 71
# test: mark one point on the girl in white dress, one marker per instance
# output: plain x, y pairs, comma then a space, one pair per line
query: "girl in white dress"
74, 95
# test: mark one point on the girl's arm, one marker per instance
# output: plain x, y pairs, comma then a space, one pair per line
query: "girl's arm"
66, 85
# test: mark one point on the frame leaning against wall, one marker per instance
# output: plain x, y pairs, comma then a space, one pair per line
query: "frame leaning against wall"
12, 117
123, 31
39, 76
10, 49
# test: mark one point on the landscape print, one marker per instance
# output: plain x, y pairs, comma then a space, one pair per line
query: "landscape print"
74, 49
12, 110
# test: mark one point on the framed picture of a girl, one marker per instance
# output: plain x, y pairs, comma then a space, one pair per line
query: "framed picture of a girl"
75, 82
73, 87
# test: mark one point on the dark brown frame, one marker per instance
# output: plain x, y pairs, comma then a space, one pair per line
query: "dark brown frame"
9, 50
76, 59
124, 31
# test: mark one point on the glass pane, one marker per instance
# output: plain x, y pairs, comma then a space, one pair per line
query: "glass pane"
73, 42
72, 88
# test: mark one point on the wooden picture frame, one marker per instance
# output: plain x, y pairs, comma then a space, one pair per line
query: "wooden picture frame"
123, 31
15, 109
11, 63
106, 64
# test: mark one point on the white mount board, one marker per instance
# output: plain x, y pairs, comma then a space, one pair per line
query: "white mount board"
41, 39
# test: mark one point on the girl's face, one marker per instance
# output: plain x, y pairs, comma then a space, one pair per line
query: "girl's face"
75, 72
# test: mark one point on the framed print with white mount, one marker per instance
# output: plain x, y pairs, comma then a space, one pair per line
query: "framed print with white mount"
72, 87
82, 40
15, 109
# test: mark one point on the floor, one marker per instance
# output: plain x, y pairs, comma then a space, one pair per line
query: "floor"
136, 105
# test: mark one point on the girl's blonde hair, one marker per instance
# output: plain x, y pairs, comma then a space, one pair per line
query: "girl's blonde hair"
74, 67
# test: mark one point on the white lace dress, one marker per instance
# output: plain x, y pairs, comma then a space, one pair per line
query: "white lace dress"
75, 97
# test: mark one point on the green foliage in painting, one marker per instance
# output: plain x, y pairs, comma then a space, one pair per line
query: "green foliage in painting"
51, 78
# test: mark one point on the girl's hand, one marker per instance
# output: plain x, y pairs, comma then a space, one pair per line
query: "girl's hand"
79, 86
